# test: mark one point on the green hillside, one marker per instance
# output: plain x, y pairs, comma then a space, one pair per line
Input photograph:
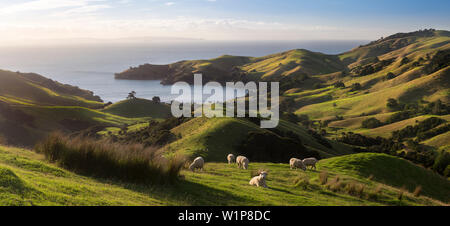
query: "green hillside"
139, 108
215, 138
25, 179
31, 106
33, 89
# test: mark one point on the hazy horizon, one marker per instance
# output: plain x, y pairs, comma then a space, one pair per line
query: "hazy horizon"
29, 22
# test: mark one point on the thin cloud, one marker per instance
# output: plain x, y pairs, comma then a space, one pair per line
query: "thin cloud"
40, 5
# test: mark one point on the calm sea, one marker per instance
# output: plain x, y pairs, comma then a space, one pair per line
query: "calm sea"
92, 67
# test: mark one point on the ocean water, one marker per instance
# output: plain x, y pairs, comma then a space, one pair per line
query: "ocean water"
92, 67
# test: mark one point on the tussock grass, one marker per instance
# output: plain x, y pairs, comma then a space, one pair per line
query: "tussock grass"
417, 191
323, 177
131, 163
302, 181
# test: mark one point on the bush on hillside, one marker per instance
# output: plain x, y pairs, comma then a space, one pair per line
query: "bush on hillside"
371, 123
421, 127
339, 85
355, 87
390, 76
156, 134
442, 162
132, 163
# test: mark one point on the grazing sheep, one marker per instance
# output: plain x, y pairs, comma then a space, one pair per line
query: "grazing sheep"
197, 164
310, 162
231, 158
259, 181
297, 163
242, 162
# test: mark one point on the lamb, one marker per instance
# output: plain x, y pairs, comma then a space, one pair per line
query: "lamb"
297, 163
310, 162
197, 164
259, 181
242, 162
231, 158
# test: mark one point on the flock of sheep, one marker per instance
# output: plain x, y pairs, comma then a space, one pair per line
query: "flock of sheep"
260, 180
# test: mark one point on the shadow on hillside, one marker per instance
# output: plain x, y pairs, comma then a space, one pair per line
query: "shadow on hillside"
186, 193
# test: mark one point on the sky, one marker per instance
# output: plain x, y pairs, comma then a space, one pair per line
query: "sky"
32, 21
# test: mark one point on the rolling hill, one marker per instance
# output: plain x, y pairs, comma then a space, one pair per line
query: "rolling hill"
32, 106
26, 179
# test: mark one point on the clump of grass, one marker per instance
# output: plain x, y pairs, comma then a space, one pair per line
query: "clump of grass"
100, 158
355, 189
401, 193
302, 181
417, 191
323, 177
336, 184
375, 193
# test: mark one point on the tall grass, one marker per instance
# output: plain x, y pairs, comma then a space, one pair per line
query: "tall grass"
100, 158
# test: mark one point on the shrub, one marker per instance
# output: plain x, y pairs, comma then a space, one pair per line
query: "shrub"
99, 158
390, 76
339, 85
371, 123
355, 87
392, 104
442, 162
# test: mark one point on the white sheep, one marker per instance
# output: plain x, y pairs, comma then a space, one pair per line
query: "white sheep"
242, 162
259, 181
231, 158
197, 164
297, 163
310, 162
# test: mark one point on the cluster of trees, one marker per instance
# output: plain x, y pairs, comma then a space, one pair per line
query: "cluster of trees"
359, 140
371, 123
420, 128
440, 60
389, 76
319, 138
411, 110
290, 82
355, 87
156, 134
374, 67
404, 139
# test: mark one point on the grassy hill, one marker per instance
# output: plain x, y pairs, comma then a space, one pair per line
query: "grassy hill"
215, 138
227, 68
33, 89
26, 179
31, 106
139, 108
